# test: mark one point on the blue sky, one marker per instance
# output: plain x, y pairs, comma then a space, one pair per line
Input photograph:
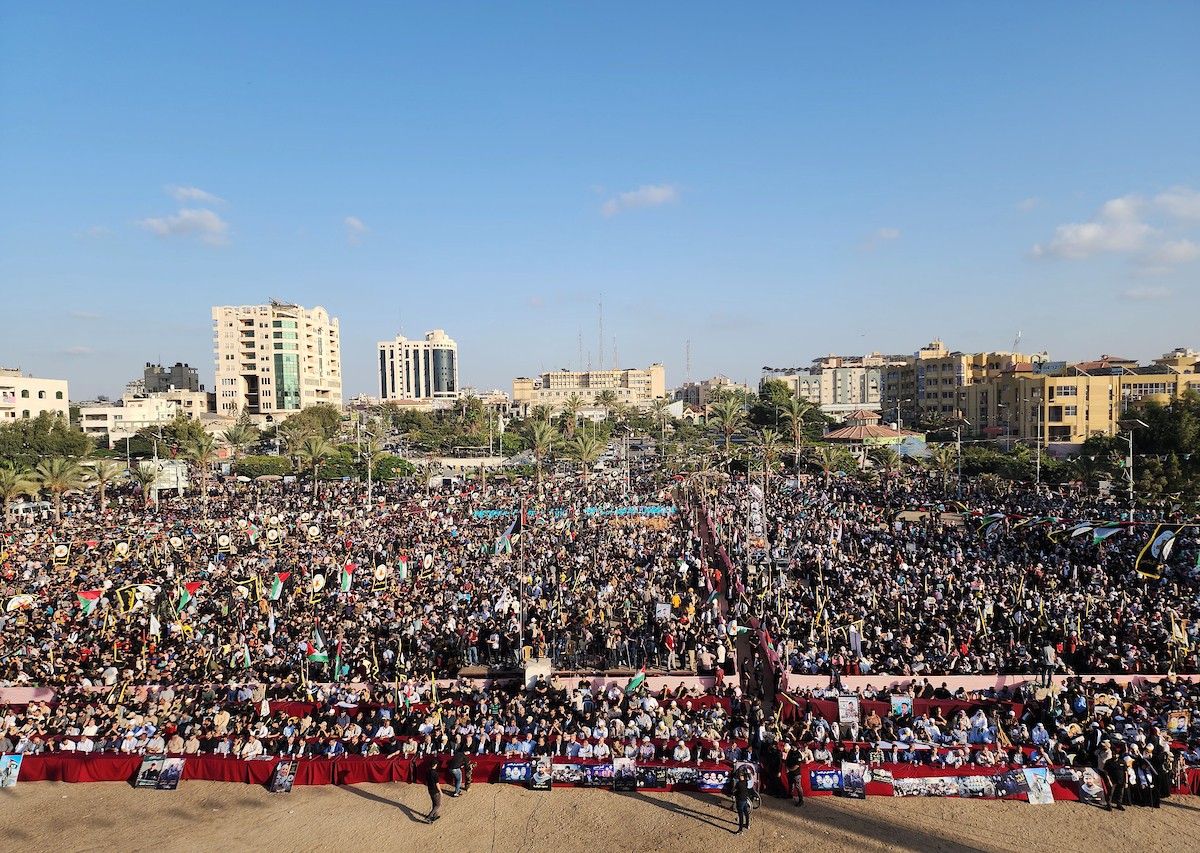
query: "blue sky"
771, 182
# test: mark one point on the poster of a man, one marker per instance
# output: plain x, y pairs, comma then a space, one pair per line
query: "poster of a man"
10, 769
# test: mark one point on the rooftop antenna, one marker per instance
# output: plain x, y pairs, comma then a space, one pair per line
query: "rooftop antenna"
1017, 342
688, 360
601, 359
580, 362
616, 360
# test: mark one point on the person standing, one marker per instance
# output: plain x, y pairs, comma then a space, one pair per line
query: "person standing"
435, 792
457, 762
743, 791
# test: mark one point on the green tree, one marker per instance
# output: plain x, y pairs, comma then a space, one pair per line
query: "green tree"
606, 399
541, 437
238, 437
103, 473
145, 474
886, 458
729, 416
830, 458
571, 409
201, 451
260, 466
320, 419
587, 449
15, 482
57, 476
942, 459
768, 446
794, 414
313, 451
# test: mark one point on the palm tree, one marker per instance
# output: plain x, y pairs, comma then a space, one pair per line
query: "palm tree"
943, 459
587, 449
729, 416
103, 473
238, 437
202, 450
768, 445
830, 458
58, 476
793, 411
886, 458
541, 437
571, 408
145, 474
605, 400
1090, 469
660, 411
313, 451
540, 412
15, 482
292, 433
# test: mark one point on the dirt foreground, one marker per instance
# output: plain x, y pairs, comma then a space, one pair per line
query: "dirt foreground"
214, 816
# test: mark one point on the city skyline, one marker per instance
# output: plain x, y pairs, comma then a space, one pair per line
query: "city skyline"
771, 187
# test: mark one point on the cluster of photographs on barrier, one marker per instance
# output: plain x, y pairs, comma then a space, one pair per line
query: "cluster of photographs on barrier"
1033, 784
621, 774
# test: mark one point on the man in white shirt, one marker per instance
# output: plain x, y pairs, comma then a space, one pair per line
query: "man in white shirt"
681, 753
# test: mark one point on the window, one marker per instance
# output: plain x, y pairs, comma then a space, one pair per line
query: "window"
25, 393
58, 395
1070, 411
25, 413
41, 395
1067, 390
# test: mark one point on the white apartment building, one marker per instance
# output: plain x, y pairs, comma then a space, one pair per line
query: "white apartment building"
123, 419
419, 371
274, 360
24, 396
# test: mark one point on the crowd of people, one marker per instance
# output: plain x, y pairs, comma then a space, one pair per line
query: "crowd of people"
210, 623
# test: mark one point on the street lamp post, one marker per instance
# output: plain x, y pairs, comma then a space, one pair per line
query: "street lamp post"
962, 422
1129, 425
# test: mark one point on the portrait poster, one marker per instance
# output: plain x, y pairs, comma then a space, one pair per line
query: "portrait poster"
1178, 722
662, 610
849, 709
713, 780
854, 780
878, 775
515, 771
683, 777
652, 777
10, 769
147, 775
902, 706
170, 773
1040, 792
1091, 788
625, 776
597, 775
1104, 704
542, 776
283, 777
820, 781
567, 774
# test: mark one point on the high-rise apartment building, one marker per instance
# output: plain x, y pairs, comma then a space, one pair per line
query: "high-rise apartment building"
842, 384
273, 360
419, 371
158, 379
929, 383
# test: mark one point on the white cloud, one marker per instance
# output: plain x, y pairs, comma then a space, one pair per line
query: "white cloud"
648, 195
1028, 204
186, 194
1170, 253
1148, 293
1180, 202
77, 350
355, 230
201, 223
888, 234
1117, 227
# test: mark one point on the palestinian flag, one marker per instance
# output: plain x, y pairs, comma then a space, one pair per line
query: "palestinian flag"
88, 599
402, 567
186, 593
716, 593
337, 661
637, 681
348, 575
512, 534
314, 654
277, 585
246, 657
1099, 534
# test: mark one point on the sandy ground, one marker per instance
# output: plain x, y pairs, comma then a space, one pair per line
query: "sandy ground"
212, 816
